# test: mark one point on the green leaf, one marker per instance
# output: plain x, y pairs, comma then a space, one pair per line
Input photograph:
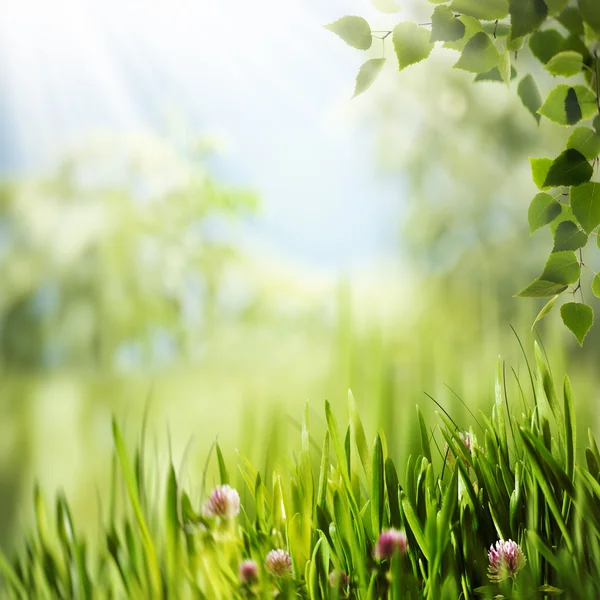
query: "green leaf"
355, 31
530, 96
590, 11
542, 210
367, 74
480, 54
545, 44
578, 317
539, 171
445, 27
487, 11
596, 285
515, 44
569, 237
571, 20
494, 75
596, 124
526, 16
411, 44
496, 30
586, 140
504, 67
545, 310
585, 203
540, 288
562, 267
565, 64
472, 26
555, 6
569, 168
566, 105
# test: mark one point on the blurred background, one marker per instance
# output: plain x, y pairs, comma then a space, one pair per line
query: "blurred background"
198, 225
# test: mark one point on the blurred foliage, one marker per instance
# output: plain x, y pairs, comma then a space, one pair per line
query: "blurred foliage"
118, 254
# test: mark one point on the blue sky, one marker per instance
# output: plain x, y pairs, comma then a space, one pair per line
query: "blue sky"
264, 76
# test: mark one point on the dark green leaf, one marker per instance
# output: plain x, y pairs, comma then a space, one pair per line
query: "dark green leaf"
585, 203
367, 74
526, 16
539, 288
530, 96
355, 31
565, 64
480, 54
586, 140
569, 237
494, 75
545, 44
572, 107
590, 11
542, 210
411, 44
445, 27
566, 105
487, 11
571, 20
562, 267
545, 310
578, 317
596, 124
569, 168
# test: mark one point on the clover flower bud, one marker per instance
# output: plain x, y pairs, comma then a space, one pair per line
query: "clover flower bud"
389, 541
224, 502
278, 563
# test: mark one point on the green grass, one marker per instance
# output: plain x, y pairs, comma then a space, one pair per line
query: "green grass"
327, 505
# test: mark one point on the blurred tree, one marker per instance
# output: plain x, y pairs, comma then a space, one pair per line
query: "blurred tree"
118, 256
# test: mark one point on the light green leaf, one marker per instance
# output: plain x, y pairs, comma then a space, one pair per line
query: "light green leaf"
565, 64
565, 215
504, 67
445, 27
586, 140
355, 31
496, 30
569, 168
545, 310
590, 11
367, 74
530, 96
515, 44
526, 16
472, 26
545, 44
539, 288
578, 317
563, 101
411, 44
542, 210
562, 268
489, 10
539, 171
568, 236
596, 285
479, 55
585, 203
387, 7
